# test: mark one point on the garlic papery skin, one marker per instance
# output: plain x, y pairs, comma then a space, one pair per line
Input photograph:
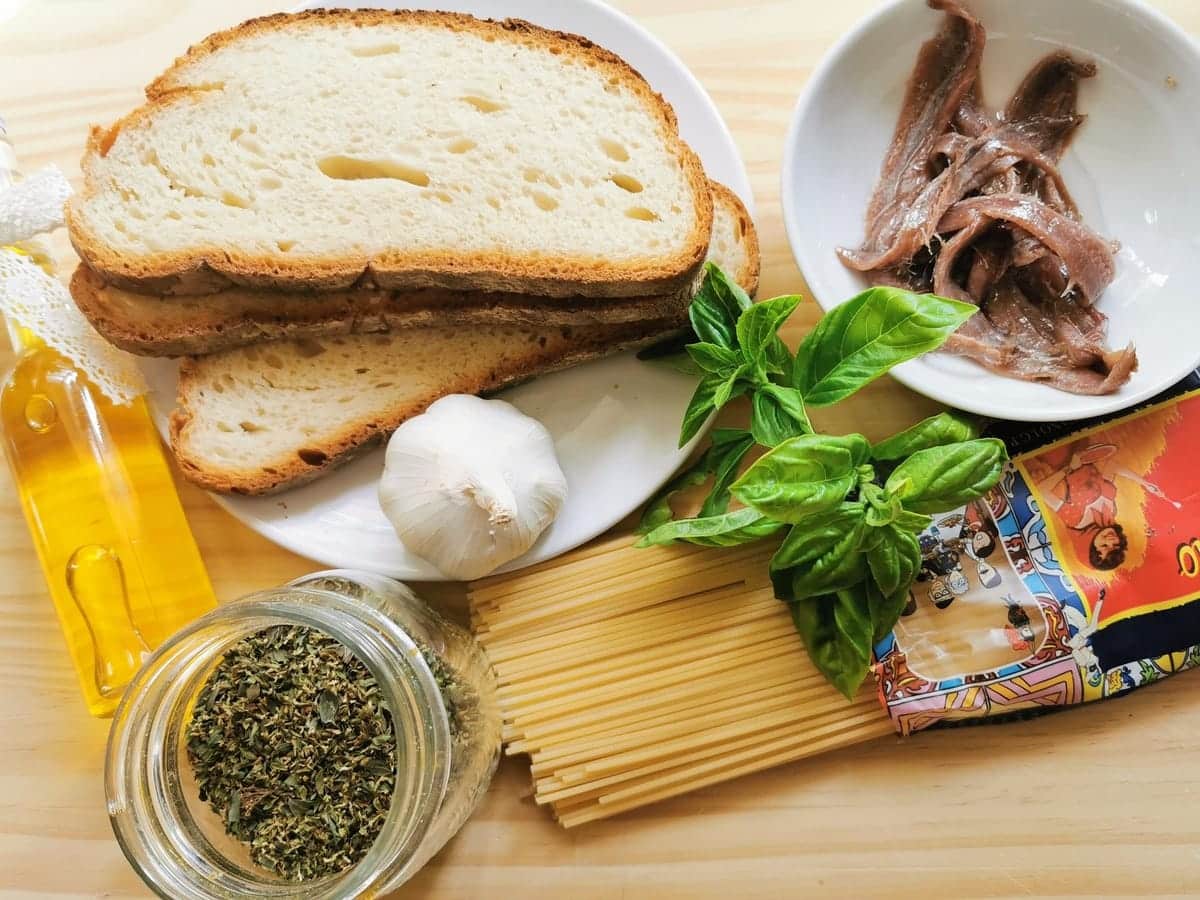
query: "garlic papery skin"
470, 484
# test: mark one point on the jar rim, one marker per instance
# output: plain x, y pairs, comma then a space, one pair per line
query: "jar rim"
138, 774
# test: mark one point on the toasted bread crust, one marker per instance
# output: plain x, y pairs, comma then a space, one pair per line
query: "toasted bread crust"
194, 326
357, 437
747, 276
206, 269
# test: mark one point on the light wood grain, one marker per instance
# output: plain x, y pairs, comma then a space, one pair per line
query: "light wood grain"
1095, 801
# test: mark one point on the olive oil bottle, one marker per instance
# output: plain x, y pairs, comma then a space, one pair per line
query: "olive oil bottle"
115, 548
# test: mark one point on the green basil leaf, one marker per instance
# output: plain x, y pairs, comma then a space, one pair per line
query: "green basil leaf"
779, 360
942, 478
733, 385
821, 555
945, 428
658, 511
883, 509
885, 609
715, 309
713, 357
865, 337
737, 537
758, 332
873, 494
852, 615
777, 413
726, 437
912, 522
894, 558
837, 629
721, 461
726, 530
802, 477
712, 393
729, 448
700, 408
729, 293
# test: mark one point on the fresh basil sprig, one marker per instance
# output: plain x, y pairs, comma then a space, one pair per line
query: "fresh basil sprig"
740, 352
758, 338
852, 511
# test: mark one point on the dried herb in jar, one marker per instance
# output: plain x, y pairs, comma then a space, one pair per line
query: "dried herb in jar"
447, 686
459, 699
293, 746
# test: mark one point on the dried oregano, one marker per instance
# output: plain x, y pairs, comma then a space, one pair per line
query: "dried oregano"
292, 745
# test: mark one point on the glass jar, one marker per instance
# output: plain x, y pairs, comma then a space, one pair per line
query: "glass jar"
433, 676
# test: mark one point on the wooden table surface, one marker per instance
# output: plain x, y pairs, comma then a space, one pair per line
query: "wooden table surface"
1090, 802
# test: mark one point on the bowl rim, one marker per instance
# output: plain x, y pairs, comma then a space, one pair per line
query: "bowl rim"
941, 390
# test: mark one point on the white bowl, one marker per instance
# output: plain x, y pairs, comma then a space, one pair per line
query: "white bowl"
1134, 169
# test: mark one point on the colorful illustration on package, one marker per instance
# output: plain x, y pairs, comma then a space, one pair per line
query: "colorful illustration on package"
1077, 578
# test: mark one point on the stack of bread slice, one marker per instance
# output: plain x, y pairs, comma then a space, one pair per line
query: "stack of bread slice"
340, 216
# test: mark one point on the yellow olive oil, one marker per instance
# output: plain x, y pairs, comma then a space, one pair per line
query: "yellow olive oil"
117, 553
114, 545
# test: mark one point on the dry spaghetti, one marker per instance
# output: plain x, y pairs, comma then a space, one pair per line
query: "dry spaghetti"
634, 675
629, 676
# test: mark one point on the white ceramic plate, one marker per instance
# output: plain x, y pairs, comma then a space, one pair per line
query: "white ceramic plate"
1133, 168
615, 422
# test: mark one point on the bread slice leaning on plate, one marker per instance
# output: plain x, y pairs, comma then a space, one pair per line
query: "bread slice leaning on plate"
272, 416
155, 325
397, 149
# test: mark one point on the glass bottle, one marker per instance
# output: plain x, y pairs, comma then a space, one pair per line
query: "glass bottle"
114, 546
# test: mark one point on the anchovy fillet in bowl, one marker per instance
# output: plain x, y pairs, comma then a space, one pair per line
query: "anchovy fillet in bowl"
970, 204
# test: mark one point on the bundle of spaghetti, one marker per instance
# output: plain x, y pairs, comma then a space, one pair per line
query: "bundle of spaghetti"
632, 675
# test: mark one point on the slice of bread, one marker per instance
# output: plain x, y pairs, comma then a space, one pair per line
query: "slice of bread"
194, 326
402, 150
267, 417
272, 416
734, 245
178, 326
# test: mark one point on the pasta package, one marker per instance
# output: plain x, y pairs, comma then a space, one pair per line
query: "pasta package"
1075, 579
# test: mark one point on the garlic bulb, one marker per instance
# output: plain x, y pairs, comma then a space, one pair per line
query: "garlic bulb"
470, 484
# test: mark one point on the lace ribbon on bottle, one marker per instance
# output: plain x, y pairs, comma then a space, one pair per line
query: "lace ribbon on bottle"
41, 303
